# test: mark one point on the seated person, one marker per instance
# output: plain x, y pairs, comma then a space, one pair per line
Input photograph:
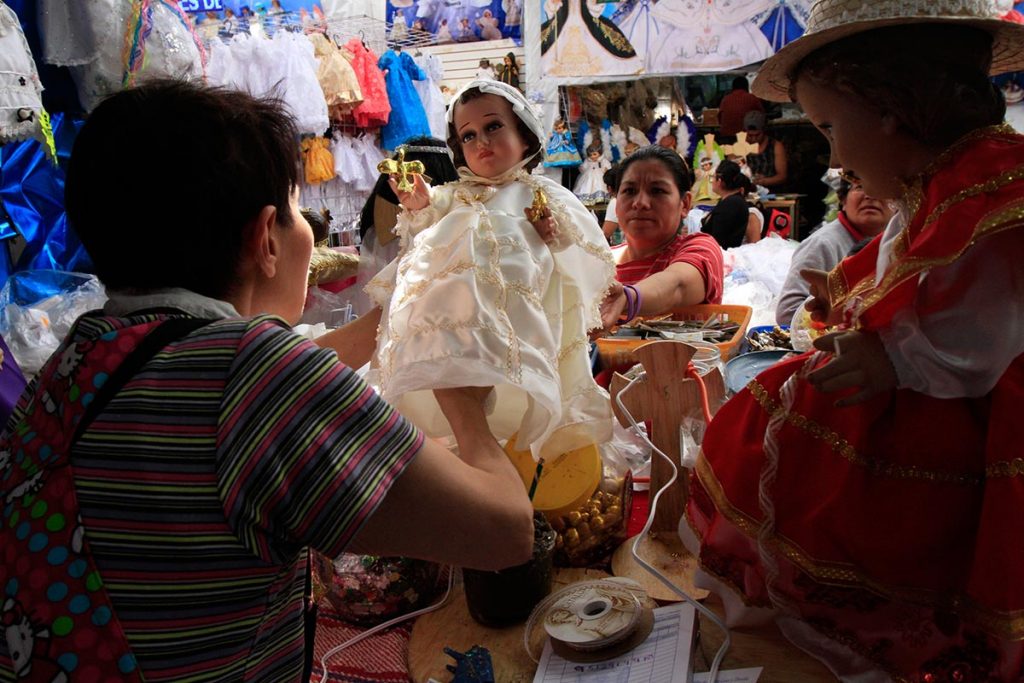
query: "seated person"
860, 217
768, 164
729, 222
610, 226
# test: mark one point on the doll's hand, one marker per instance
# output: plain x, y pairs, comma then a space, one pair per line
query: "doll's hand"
820, 305
418, 199
543, 223
860, 361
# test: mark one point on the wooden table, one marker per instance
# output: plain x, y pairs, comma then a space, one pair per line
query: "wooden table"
453, 627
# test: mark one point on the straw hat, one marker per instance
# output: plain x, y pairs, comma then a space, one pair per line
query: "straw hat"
831, 20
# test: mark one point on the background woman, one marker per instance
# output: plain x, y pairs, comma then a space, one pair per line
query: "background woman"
861, 217
768, 164
728, 221
659, 267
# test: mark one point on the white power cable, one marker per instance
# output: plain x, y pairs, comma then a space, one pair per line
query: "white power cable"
717, 661
387, 624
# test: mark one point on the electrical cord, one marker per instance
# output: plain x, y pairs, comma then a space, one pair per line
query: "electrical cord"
641, 377
386, 625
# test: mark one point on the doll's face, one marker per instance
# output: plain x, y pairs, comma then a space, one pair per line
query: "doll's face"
487, 12
488, 131
705, 164
559, 127
594, 156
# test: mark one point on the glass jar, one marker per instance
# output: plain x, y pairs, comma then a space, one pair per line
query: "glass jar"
506, 597
707, 357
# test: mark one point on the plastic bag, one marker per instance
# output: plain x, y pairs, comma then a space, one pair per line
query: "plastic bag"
591, 533
333, 309
38, 308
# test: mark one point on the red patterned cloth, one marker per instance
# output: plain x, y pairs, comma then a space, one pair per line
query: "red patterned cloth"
897, 521
380, 658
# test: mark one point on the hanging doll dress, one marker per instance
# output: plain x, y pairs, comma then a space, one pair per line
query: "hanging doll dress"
337, 79
429, 91
318, 160
408, 118
373, 111
20, 89
478, 299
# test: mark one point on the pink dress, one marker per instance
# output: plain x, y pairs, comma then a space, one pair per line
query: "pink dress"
375, 108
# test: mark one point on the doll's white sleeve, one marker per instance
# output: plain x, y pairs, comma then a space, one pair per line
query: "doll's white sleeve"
408, 225
967, 323
411, 222
573, 221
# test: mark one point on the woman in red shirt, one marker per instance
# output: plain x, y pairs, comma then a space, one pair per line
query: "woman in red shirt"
659, 267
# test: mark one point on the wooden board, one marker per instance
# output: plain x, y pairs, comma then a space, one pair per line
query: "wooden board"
665, 551
764, 646
452, 626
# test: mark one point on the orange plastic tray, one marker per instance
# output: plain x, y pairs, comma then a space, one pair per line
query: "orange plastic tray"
618, 352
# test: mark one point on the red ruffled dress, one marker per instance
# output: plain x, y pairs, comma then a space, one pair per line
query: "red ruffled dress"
375, 108
887, 538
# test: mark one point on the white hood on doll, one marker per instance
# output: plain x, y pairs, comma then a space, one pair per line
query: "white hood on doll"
520, 105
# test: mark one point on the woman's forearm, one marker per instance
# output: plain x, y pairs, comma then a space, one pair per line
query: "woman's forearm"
355, 342
678, 285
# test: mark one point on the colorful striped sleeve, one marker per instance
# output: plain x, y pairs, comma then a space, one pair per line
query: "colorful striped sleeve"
306, 450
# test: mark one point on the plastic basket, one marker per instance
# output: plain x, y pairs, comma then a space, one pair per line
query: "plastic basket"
616, 353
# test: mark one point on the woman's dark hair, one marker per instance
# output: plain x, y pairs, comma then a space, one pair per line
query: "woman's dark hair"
512, 58
455, 144
319, 221
437, 166
732, 176
909, 72
843, 190
672, 161
611, 178
179, 222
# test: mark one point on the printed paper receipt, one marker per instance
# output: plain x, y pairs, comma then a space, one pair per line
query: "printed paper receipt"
663, 658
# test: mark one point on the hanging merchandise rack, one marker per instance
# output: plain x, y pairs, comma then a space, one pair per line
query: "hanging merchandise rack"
377, 35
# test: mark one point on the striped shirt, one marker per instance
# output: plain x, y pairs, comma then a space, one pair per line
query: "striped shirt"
205, 478
700, 250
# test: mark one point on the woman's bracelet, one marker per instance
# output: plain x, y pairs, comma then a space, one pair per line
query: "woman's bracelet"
633, 301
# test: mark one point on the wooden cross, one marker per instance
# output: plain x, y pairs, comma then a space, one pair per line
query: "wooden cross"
664, 398
742, 148
405, 170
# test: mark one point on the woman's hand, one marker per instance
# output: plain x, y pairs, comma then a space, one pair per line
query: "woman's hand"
543, 222
418, 198
613, 306
820, 305
860, 361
